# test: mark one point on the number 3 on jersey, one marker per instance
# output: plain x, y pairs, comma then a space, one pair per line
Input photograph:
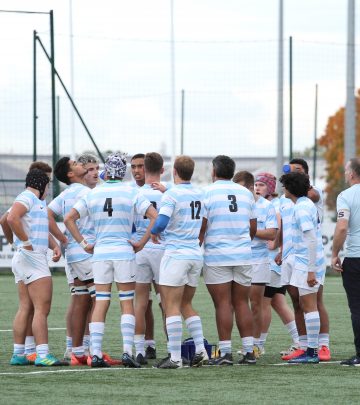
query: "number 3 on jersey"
108, 207
233, 205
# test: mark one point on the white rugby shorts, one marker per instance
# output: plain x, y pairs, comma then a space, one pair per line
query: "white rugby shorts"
261, 273
148, 265
81, 270
240, 274
30, 265
287, 268
275, 280
69, 274
179, 272
120, 271
299, 280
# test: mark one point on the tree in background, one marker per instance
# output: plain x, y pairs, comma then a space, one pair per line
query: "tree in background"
333, 143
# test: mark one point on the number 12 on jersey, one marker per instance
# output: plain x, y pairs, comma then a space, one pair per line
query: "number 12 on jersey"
195, 209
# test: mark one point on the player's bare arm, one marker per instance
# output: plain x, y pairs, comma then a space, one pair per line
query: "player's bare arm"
54, 229
151, 214
18, 210
70, 223
6, 228
339, 238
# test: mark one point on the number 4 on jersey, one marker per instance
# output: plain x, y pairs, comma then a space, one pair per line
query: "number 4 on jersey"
108, 207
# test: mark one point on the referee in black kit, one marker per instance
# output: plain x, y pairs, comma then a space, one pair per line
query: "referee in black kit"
348, 227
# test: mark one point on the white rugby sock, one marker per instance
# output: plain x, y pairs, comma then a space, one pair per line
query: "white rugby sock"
262, 340
127, 326
303, 342
225, 346
195, 329
30, 345
248, 344
174, 331
42, 350
150, 343
68, 343
312, 323
139, 342
324, 339
96, 337
86, 342
292, 329
19, 349
78, 351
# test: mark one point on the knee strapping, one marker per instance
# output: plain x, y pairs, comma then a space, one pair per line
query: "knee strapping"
103, 296
81, 290
126, 295
92, 291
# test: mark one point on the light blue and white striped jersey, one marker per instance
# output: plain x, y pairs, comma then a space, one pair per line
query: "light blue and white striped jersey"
266, 219
286, 212
349, 200
141, 222
112, 207
183, 204
273, 253
306, 218
228, 209
61, 205
35, 222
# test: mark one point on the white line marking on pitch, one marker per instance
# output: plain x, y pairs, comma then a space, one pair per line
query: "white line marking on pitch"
10, 330
84, 370
297, 364
87, 370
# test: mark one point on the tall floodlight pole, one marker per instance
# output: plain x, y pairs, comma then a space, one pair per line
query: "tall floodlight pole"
350, 111
172, 70
34, 99
315, 134
290, 99
280, 106
55, 152
182, 121
72, 90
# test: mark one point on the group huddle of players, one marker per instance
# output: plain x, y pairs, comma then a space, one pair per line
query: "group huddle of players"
250, 246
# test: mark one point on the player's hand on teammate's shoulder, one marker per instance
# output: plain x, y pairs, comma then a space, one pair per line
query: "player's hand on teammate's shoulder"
158, 186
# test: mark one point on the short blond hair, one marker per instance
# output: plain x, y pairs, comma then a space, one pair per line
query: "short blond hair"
184, 165
244, 177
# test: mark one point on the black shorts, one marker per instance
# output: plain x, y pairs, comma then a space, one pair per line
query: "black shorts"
271, 291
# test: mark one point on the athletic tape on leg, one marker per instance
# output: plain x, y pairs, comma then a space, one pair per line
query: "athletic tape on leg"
81, 290
103, 296
126, 295
92, 291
